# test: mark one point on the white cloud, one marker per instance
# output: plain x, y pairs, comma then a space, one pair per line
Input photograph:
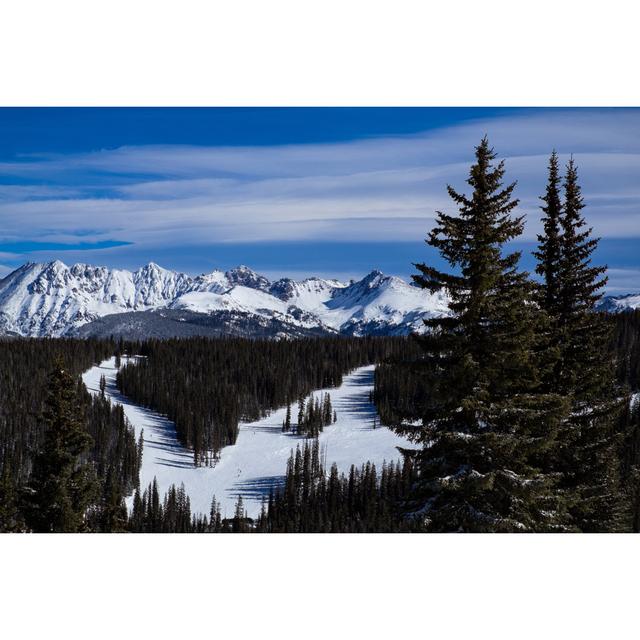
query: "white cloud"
623, 280
373, 189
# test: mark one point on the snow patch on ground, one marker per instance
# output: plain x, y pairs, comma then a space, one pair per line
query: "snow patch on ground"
257, 462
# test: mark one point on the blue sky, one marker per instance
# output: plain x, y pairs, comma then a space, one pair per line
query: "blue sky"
295, 191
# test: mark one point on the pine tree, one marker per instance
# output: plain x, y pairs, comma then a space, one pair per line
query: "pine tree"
287, 420
549, 256
485, 424
580, 289
240, 524
215, 518
155, 508
113, 517
549, 247
136, 519
301, 414
140, 451
589, 460
62, 486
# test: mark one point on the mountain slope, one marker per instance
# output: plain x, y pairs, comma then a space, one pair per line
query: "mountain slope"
614, 304
53, 299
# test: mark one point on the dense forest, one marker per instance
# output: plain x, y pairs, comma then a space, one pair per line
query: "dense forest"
208, 386
35, 375
365, 500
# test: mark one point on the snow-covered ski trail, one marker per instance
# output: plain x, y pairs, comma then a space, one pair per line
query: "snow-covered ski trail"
257, 462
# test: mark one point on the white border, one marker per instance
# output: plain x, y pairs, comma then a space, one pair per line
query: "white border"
328, 52
319, 52
318, 586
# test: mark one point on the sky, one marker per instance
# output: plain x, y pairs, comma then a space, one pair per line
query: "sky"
334, 192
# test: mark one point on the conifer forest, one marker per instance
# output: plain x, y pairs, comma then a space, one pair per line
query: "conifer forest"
516, 410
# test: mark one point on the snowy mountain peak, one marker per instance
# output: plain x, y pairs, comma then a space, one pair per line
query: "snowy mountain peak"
284, 289
615, 304
246, 277
57, 265
376, 279
151, 270
53, 299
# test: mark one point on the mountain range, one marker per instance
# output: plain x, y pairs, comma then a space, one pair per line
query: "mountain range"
53, 299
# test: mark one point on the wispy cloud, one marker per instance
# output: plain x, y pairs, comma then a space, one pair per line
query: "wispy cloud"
365, 190
623, 280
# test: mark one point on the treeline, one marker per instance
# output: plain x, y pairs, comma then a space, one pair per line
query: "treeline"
365, 500
400, 388
172, 514
206, 387
150, 514
95, 453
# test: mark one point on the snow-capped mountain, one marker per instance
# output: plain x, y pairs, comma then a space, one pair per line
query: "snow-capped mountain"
614, 304
53, 299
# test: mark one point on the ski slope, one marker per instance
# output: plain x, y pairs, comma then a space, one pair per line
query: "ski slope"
257, 462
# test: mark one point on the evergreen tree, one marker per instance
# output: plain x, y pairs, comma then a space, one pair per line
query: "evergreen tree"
485, 425
549, 243
136, 520
62, 486
287, 420
589, 460
154, 508
140, 451
215, 518
580, 289
549, 256
301, 409
240, 524
113, 515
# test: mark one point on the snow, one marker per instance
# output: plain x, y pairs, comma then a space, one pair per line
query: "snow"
257, 462
615, 304
238, 298
380, 298
53, 299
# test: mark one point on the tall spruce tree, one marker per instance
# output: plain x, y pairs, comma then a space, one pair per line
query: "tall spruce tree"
485, 424
585, 374
549, 247
580, 289
62, 486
